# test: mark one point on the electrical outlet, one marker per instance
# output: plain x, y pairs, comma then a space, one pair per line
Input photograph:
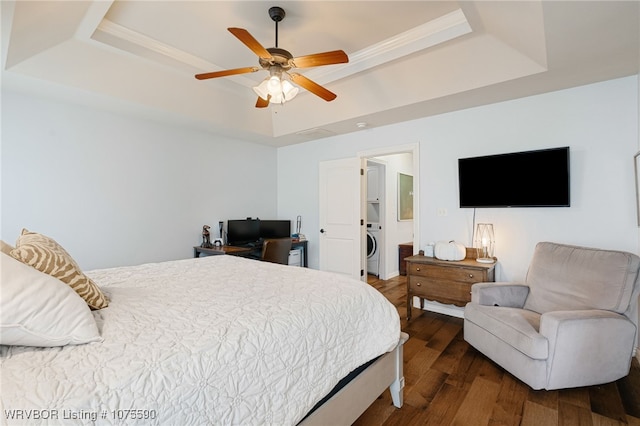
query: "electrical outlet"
441, 211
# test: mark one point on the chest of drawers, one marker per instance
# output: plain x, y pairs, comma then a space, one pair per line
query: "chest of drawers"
447, 282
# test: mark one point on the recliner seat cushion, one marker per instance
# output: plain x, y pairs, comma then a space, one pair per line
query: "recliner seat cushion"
518, 328
563, 277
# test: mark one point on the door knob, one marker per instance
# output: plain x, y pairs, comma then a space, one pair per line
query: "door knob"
322, 231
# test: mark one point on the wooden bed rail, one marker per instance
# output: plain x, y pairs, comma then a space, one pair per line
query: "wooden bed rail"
355, 397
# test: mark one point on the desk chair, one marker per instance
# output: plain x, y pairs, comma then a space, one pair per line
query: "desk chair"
276, 250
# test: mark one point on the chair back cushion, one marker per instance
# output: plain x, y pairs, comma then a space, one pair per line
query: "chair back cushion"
276, 250
564, 277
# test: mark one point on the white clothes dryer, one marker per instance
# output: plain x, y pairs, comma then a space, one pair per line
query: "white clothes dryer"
373, 249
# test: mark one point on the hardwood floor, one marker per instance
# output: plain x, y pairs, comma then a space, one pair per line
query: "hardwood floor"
448, 382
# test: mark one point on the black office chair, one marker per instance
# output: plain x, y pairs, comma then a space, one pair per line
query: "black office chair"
276, 250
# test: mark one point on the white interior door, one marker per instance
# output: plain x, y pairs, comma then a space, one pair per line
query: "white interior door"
342, 230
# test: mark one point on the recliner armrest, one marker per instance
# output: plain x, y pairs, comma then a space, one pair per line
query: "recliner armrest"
507, 294
587, 346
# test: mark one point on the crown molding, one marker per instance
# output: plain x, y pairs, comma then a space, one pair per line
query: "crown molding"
432, 33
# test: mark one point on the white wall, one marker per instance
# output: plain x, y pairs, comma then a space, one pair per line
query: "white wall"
170, 180
599, 122
118, 191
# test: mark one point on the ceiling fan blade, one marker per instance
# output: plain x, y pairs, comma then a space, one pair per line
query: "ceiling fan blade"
253, 44
261, 103
318, 59
312, 86
225, 73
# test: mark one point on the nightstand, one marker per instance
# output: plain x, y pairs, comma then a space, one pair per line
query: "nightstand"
443, 281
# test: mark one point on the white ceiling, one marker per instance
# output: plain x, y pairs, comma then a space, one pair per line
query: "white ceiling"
408, 59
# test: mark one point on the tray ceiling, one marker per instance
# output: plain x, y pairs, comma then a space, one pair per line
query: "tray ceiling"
407, 59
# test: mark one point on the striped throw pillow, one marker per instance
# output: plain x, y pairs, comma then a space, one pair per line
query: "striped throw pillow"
5, 247
46, 255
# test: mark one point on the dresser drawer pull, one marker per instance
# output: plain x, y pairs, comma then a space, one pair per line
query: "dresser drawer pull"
417, 269
470, 275
418, 284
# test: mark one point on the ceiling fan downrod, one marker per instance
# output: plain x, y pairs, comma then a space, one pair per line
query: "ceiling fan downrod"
277, 14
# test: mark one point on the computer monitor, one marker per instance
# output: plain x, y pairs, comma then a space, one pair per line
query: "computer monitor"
243, 231
275, 228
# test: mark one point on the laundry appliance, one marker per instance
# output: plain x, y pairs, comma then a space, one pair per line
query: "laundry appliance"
373, 249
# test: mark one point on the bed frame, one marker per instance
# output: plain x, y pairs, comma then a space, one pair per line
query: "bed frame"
355, 397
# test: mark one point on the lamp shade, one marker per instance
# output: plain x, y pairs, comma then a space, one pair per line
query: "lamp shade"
274, 85
289, 90
484, 242
262, 89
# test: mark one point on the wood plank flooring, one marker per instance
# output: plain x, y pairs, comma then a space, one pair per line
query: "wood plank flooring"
448, 382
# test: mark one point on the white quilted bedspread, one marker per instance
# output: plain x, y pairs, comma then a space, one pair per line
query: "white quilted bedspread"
218, 340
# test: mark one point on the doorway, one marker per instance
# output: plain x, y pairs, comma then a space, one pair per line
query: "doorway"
394, 229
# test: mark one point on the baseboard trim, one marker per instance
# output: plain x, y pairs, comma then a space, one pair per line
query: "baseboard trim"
391, 275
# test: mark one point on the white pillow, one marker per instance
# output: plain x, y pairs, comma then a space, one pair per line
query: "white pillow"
37, 309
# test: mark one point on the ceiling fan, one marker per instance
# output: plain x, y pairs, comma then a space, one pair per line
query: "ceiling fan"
277, 88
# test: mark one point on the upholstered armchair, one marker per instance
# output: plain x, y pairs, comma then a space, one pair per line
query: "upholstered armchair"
573, 322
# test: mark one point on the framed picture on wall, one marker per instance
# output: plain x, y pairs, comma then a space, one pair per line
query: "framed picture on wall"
405, 197
636, 168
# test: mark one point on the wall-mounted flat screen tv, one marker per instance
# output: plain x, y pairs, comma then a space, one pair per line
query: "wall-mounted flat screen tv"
520, 179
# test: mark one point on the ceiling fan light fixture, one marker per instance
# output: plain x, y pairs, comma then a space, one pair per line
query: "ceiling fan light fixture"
277, 99
278, 87
274, 85
262, 89
289, 91
276, 90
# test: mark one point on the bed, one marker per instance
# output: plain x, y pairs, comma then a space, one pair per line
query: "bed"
218, 340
